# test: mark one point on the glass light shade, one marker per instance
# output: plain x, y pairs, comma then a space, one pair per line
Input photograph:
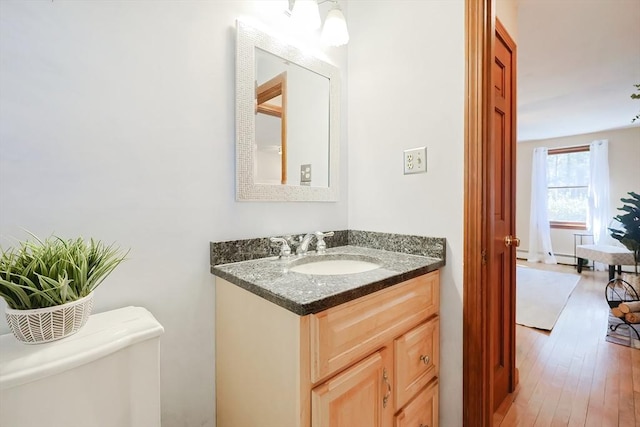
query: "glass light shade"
305, 14
334, 32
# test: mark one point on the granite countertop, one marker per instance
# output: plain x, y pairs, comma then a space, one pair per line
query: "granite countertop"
271, 279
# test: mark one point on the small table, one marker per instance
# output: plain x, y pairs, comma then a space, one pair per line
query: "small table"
611, 255
581, 239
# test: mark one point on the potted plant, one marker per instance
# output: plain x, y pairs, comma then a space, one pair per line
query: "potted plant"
48, 284
629, 234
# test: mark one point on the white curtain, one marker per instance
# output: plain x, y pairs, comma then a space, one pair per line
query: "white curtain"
539, 231
598, 216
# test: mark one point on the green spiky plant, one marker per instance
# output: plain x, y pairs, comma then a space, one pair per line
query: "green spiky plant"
630, 236
54, 271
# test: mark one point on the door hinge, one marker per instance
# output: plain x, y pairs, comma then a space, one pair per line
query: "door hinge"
483, 256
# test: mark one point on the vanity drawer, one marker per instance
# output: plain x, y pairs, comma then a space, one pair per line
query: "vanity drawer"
344, 334
417, 358
422, 411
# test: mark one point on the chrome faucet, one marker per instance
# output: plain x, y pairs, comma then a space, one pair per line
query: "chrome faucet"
321, 246
301, 244
303, 248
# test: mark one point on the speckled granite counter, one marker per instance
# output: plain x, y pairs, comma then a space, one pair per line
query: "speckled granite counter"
305, 294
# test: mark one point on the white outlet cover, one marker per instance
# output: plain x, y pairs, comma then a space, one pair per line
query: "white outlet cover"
415, 160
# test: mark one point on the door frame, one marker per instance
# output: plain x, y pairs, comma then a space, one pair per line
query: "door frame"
477, 373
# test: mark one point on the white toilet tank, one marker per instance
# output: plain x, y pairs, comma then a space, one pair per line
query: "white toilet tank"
106, 375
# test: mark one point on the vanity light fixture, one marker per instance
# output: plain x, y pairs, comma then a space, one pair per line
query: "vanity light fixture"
306, 14
334, 31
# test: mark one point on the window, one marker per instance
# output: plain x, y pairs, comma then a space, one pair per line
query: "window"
568, 186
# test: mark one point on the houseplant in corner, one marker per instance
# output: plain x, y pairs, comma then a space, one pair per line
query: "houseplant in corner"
629, 233
48, 284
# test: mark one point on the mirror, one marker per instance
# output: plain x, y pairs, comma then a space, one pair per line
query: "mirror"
287, 121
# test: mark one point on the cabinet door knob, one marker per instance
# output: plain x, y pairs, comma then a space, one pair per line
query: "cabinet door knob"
425, 359
424, 425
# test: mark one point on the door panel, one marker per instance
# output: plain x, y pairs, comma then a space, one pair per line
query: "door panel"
416, 359
483, 284
361, 395
422, 411
501, 217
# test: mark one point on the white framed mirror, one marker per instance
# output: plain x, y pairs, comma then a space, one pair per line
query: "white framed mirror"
287, 121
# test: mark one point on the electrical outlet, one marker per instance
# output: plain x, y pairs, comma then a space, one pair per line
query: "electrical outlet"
415, 160
305, 174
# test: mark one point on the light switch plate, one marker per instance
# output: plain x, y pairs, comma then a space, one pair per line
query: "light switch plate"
415, 160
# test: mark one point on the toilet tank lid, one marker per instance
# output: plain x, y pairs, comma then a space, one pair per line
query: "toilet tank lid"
103, 334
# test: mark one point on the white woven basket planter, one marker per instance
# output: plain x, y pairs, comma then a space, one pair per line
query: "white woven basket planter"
49, 324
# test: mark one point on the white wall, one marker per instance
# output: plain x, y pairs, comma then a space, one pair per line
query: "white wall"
406, 90
507, 13
624, 170
117, 122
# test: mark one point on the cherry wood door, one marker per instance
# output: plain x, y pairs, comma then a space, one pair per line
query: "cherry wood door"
501, 219
489, 323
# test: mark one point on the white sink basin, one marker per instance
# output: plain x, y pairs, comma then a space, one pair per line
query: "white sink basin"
327, 267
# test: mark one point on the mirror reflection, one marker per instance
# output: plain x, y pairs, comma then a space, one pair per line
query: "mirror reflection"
287, 121
292, 123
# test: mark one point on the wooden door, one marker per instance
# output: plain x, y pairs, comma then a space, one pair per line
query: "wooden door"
359, 396
501, 220
489, 361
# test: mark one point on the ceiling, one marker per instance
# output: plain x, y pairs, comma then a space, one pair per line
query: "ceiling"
578, 61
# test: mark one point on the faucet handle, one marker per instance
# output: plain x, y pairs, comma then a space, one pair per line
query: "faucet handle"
321, 246
285, 250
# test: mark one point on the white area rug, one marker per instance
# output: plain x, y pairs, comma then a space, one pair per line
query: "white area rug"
541, 295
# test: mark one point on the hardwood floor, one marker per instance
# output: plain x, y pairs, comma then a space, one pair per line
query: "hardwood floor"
572, 376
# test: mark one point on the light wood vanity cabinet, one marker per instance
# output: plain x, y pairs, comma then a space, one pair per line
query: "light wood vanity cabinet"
370, 362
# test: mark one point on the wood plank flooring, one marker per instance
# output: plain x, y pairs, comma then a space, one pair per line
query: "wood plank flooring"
572, 376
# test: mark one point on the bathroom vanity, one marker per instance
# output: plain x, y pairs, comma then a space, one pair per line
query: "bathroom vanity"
346, 338
309, 350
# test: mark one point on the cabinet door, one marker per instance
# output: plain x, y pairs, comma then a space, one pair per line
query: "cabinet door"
421, 411
417, 358
342, 335
359, 396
